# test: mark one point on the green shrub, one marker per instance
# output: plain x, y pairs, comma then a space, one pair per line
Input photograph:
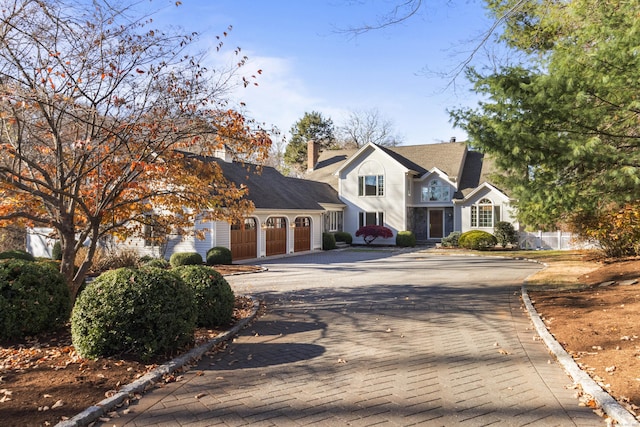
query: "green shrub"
34, 298
505, 233
156, 263
343, 236
405, 239
141, 313
17, 254
219, 255
56, 252
213, 296
328, 241
477, 239
185, 258
451, 241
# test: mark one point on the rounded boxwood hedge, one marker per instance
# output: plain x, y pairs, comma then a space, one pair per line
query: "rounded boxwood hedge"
405, 239
185, 258
156, 262
17, 254
328, 241
142, 313
214, 297
477, 239
34, 298
343, 236
219, 255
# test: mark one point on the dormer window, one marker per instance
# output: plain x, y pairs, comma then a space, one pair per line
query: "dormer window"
436, 191
371, 185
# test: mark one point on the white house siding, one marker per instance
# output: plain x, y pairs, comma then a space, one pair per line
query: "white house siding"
222, 234
39, 244
203, 245
463, 211
392, 204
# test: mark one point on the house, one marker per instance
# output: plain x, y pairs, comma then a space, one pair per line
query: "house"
431, 190
290, 216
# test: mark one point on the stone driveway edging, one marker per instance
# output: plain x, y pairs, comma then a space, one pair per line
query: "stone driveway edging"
608, 404
143, 383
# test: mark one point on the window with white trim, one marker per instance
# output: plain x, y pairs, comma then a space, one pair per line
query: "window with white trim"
371, 185
334, 222
153, 230
370, 218
484, 214
436, 192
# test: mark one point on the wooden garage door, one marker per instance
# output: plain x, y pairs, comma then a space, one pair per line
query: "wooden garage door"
244, 239
276, 236
302, 234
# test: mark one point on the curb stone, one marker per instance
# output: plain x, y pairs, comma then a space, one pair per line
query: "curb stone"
140, 385
608, 404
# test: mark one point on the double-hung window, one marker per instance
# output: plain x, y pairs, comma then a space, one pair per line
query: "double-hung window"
334, 221
371, 185
370, 218
154, 232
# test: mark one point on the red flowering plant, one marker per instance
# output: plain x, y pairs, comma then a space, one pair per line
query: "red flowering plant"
371, 232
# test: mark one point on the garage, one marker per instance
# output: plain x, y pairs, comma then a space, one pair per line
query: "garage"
276, 236
244, 239
302, 234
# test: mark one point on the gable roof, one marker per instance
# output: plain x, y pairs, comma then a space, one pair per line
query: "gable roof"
329, 161
447, 157
478, 170
269, 189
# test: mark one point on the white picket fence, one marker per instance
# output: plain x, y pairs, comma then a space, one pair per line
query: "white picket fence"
551, 240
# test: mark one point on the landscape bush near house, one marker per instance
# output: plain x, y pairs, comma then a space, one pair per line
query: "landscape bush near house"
343, 236
34, 298
56, 251
405, 239
477, 239
214, 298
616, 229
185, 258
219, 255
370, 233
505, 234
17, 254
328, 241
156, 262
141, 313
451, 241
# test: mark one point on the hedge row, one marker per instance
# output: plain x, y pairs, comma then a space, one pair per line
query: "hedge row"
148, 312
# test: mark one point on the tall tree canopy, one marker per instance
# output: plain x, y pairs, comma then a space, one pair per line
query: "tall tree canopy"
96, 112
564, 124
363, 127
312, 126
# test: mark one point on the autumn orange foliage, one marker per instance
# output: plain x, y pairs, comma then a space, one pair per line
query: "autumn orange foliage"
616, 229
99, 117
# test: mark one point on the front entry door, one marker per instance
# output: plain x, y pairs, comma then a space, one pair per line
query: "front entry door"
436, 224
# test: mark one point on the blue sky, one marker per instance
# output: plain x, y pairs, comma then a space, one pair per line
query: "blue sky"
308, 64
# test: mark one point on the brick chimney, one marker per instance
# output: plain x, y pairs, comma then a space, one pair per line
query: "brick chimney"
313, 151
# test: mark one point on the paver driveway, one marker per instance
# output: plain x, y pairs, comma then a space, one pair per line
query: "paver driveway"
377, 338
